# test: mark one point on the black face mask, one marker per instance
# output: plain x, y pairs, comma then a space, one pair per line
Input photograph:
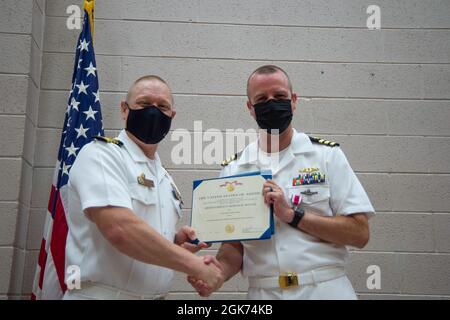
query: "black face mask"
274, 114
150, 125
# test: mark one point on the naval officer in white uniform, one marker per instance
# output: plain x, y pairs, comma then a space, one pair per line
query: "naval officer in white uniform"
320, 206
124, 206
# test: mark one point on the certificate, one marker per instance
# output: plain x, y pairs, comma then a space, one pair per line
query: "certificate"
231, 209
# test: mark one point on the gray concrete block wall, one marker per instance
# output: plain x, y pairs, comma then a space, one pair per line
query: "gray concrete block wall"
383, 94
21, 38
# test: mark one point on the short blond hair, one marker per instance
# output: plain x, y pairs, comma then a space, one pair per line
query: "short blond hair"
148, 77
267, 69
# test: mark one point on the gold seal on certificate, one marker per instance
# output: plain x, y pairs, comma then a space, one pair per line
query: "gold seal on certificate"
231, 209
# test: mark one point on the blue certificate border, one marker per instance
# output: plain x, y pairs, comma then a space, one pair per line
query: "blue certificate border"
266, 175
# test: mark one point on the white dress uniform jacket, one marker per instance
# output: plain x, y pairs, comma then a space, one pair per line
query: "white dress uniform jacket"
289, 249
106, 174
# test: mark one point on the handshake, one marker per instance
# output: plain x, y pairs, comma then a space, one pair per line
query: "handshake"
210, 277
207, 273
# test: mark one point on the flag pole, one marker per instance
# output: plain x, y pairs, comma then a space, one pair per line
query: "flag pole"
89, 6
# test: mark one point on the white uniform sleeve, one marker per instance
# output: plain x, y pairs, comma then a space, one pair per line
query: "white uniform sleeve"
98, 176
347, 195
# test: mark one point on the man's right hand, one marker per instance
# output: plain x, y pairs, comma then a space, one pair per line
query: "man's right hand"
205, 286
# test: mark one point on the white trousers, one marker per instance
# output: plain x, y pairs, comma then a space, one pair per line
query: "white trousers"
335, 289
91, 291
74, 295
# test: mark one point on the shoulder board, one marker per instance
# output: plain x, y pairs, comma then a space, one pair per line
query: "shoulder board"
167, 172
230, 159
324, 142
109, 140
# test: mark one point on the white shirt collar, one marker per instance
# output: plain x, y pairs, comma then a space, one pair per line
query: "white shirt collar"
135, 152
300, 143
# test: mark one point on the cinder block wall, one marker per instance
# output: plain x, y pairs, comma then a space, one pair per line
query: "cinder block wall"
21, 46
384, 95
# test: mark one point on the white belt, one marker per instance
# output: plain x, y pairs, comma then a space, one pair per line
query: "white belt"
103, 292
290, 280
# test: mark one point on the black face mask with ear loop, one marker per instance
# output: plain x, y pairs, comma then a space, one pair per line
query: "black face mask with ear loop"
150, 125
274, 115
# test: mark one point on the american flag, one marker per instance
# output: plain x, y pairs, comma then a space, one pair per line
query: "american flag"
83, 120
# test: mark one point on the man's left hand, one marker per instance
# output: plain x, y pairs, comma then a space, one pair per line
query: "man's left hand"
273, 194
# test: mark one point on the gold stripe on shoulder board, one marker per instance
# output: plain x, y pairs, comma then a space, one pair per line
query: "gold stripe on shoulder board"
324, 142
230, 159
109, 140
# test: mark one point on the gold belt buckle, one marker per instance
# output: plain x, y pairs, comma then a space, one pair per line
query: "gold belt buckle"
288, 280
